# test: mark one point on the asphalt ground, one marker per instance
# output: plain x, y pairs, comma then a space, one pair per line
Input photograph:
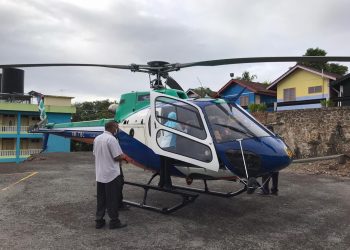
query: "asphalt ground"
49, 203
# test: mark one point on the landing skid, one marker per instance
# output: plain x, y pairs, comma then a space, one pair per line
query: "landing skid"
188, 195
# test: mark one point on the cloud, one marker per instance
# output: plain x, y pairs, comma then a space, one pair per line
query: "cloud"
124, 32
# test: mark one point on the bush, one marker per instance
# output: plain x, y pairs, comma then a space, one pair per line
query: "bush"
253, 107
327, 103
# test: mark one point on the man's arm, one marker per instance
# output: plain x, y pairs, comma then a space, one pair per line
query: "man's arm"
120, 157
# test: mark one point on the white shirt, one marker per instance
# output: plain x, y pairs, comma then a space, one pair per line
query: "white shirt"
106, 148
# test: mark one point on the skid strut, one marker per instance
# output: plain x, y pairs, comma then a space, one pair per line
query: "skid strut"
188, 195
186, 198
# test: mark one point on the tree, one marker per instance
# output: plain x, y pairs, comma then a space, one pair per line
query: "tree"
92, 111
329, 67
246, 76
203, 91
86, 111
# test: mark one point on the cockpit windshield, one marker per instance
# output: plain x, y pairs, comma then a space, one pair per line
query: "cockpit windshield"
229, 123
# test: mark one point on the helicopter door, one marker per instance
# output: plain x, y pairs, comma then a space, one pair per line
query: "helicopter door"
179, 131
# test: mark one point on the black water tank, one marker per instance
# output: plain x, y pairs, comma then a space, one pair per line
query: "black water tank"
12, 81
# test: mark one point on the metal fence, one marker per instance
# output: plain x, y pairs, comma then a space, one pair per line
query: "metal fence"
23, 152
13, 129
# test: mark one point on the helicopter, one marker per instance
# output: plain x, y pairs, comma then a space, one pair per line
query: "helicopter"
212, 138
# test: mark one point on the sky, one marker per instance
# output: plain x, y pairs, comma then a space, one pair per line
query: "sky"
181, 31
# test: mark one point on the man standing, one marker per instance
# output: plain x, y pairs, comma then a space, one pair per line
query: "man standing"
108, 156
266, 179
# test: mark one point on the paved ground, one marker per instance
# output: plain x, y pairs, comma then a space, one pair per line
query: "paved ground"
54, 208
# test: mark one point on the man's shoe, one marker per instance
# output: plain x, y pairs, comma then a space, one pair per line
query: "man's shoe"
117, 225
251, 185
124, 207
100, 224
263, 193
274, 193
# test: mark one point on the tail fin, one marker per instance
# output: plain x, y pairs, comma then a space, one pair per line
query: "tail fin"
43, 118
233, 98
41, 107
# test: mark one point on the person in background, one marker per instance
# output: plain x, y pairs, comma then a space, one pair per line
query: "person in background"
168, 143
265, 190
108, 156
266, 180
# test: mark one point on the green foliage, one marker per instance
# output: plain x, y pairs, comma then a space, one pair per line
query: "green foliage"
254, 107
246, 76
329, 67
327, 103
92, 111
89, 111
267, 83
203, 91
336, 68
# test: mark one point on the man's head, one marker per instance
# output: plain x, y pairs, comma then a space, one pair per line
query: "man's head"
111, 127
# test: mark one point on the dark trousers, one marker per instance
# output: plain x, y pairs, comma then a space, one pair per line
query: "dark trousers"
266, 181
165, 178
121, 186
108, 197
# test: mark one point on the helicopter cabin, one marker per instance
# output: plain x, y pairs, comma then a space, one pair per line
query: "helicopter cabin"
136, 101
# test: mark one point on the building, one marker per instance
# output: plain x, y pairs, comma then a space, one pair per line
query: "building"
303, 87
20, 111
251, 92
342, 87
191, 93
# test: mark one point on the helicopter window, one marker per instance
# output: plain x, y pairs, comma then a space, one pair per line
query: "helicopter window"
143, 97
178, 144
228, 123
180, 116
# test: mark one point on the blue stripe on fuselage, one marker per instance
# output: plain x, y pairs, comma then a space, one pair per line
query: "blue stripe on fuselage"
142, 154
138, 151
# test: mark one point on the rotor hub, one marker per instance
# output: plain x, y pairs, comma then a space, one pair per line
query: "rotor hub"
157, 63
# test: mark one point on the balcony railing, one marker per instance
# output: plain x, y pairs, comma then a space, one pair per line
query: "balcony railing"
23, 152
12, 129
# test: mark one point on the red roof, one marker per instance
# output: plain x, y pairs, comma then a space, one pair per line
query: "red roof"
255, 87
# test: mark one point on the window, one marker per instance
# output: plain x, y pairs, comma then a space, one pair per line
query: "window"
180, 116
143, 97
315, 89
244, 100
229, 123
289, 95
257, 99
184, 146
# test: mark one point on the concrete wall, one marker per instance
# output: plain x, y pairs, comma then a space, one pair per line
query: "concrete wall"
312, 132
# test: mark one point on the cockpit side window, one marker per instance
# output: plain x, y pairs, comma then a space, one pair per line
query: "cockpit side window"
180, 116
229, 124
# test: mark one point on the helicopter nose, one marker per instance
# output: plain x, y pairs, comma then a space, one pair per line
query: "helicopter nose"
268, 154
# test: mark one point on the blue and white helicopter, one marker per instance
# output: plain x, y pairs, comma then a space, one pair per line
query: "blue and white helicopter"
211, 139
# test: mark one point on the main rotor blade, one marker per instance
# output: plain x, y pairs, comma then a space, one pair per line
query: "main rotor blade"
173, 84
130, 67
266, 59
